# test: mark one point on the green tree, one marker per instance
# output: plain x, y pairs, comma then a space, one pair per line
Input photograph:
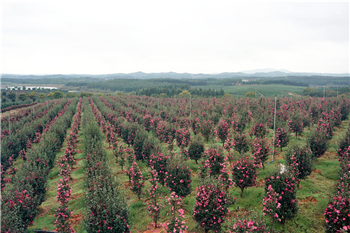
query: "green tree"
71, 95
22, 96
185, 93
51, 95
12, 96
58, 94
33, 95
162, 95
87, 94
42, 95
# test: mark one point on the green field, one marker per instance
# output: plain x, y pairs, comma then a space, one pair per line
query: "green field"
262, 90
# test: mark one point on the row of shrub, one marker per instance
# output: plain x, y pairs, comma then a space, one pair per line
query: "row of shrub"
13, 144
106, 209
65, 163
13, 123
15, 106
23, 195
337, 213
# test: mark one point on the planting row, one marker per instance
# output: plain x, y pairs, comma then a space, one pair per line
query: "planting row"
17, 142
25, 190
13, 123
65, 164
105, 204
16, 106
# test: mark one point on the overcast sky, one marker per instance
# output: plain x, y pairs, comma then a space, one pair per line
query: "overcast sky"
180, 36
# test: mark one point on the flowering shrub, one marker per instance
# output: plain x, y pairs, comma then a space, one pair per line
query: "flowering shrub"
185, 123
196, 149
136, 179
295, 124
281, 138
299, 159
154, 205
318, 143
249, 224
211, 206
337, 214
258, 130
280, 197
213, 162
182, 137
63, 214
207, 128
140, 138
260, 151
344, 184
214, 165
238, 125
325, 129
344, 109
244, 173
176, 225
147, 122
344, 143
195, 124
165, 132
159, 162
222, 131
241, 144
178, 177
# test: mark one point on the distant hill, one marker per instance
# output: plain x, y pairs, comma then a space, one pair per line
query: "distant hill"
248, 74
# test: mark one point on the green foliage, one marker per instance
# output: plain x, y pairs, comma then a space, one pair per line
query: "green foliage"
196, 149
178, 179
22, 96
12, 96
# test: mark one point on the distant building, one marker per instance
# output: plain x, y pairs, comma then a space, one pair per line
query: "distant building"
20, 88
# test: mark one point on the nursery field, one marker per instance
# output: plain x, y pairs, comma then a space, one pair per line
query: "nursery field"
141, 164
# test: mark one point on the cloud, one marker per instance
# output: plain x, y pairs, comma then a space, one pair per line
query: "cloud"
180, 36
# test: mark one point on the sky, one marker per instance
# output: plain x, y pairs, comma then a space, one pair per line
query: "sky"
103, 37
